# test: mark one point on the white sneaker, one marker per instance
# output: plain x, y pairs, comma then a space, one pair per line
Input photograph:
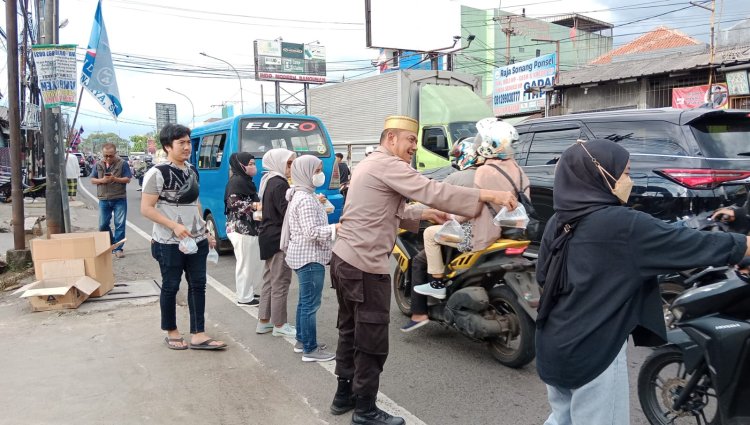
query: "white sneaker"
429, 290
263, 328
285, 330
318, 355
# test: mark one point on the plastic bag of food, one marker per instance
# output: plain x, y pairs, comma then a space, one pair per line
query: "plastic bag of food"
516, 218
188, 246
213, 256
451, 232
328, 206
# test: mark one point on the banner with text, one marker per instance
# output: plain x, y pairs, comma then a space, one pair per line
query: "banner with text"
293, 62
693, 97
56, 68
512, 85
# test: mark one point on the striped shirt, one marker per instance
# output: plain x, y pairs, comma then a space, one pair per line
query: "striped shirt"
310, 235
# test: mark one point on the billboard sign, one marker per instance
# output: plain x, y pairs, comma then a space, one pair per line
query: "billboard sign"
56, 68
290, 62
417, 25
512, 84
166, 113
696, 96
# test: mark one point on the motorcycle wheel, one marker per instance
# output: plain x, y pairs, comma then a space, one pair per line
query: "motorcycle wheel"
222, 247
660, 380
518, 349
401, 292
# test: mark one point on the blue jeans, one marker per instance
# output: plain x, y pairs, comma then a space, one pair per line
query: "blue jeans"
311, 277
118, 208
603, 401
173, 263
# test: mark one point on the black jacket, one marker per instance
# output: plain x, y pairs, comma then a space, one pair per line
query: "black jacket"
274, 209
614, 257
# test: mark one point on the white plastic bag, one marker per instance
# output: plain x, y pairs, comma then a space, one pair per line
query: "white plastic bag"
516, 218
188, 245
213, 256
450, 232
328, 206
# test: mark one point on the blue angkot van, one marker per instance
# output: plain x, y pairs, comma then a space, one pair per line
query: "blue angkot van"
214, 143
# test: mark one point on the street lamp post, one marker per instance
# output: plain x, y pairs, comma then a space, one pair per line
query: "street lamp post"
191, 102
242, 102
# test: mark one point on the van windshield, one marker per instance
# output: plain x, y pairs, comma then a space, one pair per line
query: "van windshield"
725, 136
259, 135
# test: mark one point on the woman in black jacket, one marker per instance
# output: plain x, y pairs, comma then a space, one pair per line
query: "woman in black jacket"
277, 276
598, 263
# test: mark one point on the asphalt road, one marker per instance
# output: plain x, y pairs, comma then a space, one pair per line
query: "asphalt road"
435, 373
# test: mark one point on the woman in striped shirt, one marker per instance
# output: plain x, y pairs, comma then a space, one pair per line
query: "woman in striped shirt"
306, 237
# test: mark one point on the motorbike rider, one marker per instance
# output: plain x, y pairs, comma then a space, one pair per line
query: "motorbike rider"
464, 157
493, 149
597, 265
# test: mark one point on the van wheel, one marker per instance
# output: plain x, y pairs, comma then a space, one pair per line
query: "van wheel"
402, 291
222, 246
517, 348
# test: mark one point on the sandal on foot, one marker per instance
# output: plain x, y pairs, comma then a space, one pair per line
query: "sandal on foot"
206, 345
170, 343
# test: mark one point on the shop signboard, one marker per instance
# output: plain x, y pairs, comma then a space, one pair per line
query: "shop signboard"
696, 96
514, 84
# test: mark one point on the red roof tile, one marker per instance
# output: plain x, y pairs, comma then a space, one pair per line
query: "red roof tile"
658, 39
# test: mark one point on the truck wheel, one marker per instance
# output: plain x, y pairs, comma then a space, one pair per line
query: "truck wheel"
402, 291
517, 349
222, 246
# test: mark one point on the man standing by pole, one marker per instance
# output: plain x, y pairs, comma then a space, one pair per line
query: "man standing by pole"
374, 210
111, 177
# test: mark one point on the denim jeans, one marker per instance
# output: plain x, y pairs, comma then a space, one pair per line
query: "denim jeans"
311, 277
603, 401
118, 208
173, 263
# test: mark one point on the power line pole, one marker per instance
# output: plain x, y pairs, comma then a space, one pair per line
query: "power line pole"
14, 119
50, 134
509, 31
712, 46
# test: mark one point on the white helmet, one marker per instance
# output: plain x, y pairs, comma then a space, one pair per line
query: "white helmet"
369, 150
497, 139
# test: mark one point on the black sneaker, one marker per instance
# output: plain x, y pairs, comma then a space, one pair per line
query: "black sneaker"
375, 416
254, 301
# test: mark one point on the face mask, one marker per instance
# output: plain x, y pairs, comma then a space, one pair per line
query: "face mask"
318, 179
623, 185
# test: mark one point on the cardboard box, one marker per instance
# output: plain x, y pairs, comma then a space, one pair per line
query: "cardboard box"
64, 285
93, 247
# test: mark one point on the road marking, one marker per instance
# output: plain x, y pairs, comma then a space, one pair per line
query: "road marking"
384, 401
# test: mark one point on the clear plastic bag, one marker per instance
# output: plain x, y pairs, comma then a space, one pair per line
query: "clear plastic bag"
188, 246
450, 232
328, 206
213, 256
516, 218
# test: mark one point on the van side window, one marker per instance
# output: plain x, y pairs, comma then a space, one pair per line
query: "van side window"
650, 137
211, 151
434, 140
547, 146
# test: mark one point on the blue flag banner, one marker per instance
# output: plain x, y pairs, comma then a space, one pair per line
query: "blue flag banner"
98, 74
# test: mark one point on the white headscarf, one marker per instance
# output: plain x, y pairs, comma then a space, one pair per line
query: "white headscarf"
274, 163
303, 169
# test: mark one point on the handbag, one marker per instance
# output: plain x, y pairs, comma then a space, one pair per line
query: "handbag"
532, 228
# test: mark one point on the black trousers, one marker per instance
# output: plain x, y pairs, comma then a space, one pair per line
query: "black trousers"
418, 277
364, 313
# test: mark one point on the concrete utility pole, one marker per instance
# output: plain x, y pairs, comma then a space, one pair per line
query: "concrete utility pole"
14, 120
509, 31
50, 134
712, 47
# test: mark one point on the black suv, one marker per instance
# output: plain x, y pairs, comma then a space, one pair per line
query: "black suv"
683, 162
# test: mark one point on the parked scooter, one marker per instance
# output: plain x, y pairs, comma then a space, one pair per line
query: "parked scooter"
703, 374
491, 296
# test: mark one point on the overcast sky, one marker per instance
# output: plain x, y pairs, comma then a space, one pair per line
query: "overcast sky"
170, 34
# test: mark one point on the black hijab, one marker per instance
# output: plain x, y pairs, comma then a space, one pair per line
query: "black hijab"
240, 183
579, 190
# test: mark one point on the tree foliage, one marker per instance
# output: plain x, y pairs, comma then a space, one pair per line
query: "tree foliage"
95, 141
138, 143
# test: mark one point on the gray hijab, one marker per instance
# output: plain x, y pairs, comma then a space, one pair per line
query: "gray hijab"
274, 164
303, 169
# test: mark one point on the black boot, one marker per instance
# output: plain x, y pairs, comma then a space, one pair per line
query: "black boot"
343, 400
367, 413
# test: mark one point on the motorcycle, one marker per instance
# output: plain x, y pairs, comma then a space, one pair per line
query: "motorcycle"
491, 295
703, 374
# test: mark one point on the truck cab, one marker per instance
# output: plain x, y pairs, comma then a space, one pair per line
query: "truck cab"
446, 115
